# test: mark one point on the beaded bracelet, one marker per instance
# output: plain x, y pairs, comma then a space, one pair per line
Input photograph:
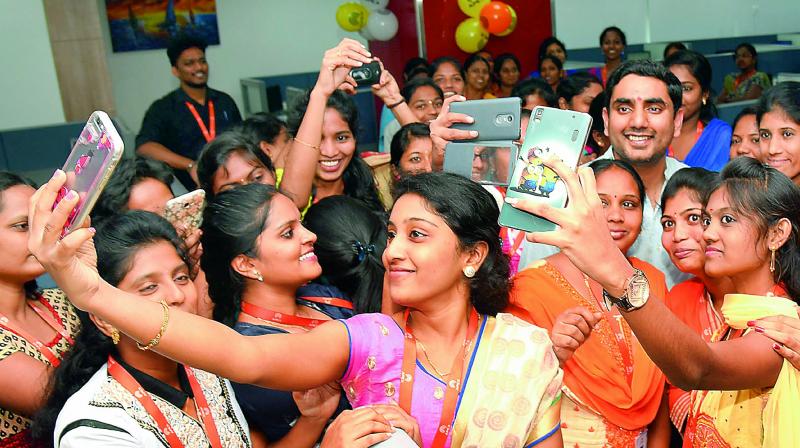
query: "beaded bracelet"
153, 342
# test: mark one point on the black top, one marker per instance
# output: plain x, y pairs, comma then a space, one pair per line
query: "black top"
274, 412
169, 121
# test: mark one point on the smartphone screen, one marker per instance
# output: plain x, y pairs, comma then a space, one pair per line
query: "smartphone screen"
487, 162
89, 165
551, 132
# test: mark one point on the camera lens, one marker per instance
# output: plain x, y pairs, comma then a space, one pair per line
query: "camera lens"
510, 118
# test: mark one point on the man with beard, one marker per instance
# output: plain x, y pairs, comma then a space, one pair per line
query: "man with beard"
177, 126
642, 115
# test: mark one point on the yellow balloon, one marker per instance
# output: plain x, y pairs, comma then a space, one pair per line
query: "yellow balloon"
351, 16
513, 25
471, 36
472, 8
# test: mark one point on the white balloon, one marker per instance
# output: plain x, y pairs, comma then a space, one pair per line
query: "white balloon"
381, 25
364, 32
375, 4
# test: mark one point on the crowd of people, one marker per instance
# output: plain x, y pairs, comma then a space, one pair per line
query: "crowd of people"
332, 298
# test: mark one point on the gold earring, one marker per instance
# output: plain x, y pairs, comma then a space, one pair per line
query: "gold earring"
772, 260
114, 335
258, 275
469, 272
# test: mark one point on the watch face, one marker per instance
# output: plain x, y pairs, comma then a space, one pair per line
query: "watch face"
638, 290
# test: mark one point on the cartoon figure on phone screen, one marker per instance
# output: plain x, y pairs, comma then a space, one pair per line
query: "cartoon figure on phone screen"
537, 179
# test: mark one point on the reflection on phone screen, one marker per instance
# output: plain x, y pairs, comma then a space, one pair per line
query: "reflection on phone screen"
491, 164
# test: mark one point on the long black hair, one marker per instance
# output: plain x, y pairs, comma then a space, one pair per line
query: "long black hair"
117, 241
359, 182
700, 68
350, 242
765, 195
784, 96
8, 180
599, 166
471, 213
232, 222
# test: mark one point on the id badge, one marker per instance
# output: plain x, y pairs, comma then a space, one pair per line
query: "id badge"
641, 439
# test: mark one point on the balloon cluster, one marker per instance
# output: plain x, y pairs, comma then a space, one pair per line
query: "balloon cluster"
369, 17
485, 17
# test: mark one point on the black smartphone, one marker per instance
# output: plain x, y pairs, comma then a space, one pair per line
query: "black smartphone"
367, 74
495, 119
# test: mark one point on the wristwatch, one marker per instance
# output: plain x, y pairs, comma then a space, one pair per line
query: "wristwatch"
636, 293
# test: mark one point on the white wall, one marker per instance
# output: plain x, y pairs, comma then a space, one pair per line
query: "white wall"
579, 22
28, 76
258, 38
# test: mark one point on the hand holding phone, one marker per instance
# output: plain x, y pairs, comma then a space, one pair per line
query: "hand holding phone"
495, 119
89, 165
551, 132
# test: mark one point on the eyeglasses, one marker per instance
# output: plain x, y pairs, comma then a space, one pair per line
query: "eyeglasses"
422, 105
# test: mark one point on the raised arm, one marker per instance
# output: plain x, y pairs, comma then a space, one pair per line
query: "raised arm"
301, 162
688, 361
274, 361
389, 92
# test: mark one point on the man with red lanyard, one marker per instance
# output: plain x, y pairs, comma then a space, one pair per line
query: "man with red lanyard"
177, 126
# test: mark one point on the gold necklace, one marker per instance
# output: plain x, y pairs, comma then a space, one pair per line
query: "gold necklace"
428, 358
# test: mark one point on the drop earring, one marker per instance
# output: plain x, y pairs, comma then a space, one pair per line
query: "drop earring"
114, 336
772, 260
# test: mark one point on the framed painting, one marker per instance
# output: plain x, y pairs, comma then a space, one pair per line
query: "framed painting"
150, 24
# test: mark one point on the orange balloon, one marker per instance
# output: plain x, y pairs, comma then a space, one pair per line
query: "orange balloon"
496, 17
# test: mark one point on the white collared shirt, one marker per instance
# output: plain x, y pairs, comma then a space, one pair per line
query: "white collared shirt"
647, 246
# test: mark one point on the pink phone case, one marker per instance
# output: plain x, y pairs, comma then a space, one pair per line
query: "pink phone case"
89, 166
186, 212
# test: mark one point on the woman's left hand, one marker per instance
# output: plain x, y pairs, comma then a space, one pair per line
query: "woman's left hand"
785, 331
400, 419
72, 260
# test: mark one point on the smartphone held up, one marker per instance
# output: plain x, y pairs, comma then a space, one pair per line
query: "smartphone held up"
89, 165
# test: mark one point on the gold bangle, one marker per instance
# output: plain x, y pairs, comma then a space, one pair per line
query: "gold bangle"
306, 144
153, 342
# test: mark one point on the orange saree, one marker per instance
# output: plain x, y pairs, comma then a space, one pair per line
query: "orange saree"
692, 305
607, 406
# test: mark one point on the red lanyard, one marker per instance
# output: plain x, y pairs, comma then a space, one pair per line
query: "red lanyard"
280, 318
212, 121
453, 386
203, 411
52, 321
697, 133
333, 301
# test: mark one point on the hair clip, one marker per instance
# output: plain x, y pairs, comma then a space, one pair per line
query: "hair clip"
362, 250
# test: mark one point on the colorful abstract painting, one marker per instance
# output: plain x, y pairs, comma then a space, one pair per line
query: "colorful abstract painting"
149, 24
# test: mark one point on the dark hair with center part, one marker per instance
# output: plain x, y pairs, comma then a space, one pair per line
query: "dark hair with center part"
749, 110
602, 165
550, 41
471, 213
216, 153
575, 84
750, 49
403, 138
232, 223
648, 69
9, 180
556, 61
700, 69
498, 63
350, 243
438, 62
117, 242
408, 90
181, 43
614, 29
535, 86
698, 182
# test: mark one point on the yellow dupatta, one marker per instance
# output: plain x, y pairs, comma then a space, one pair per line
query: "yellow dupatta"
511, 396
782, 412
